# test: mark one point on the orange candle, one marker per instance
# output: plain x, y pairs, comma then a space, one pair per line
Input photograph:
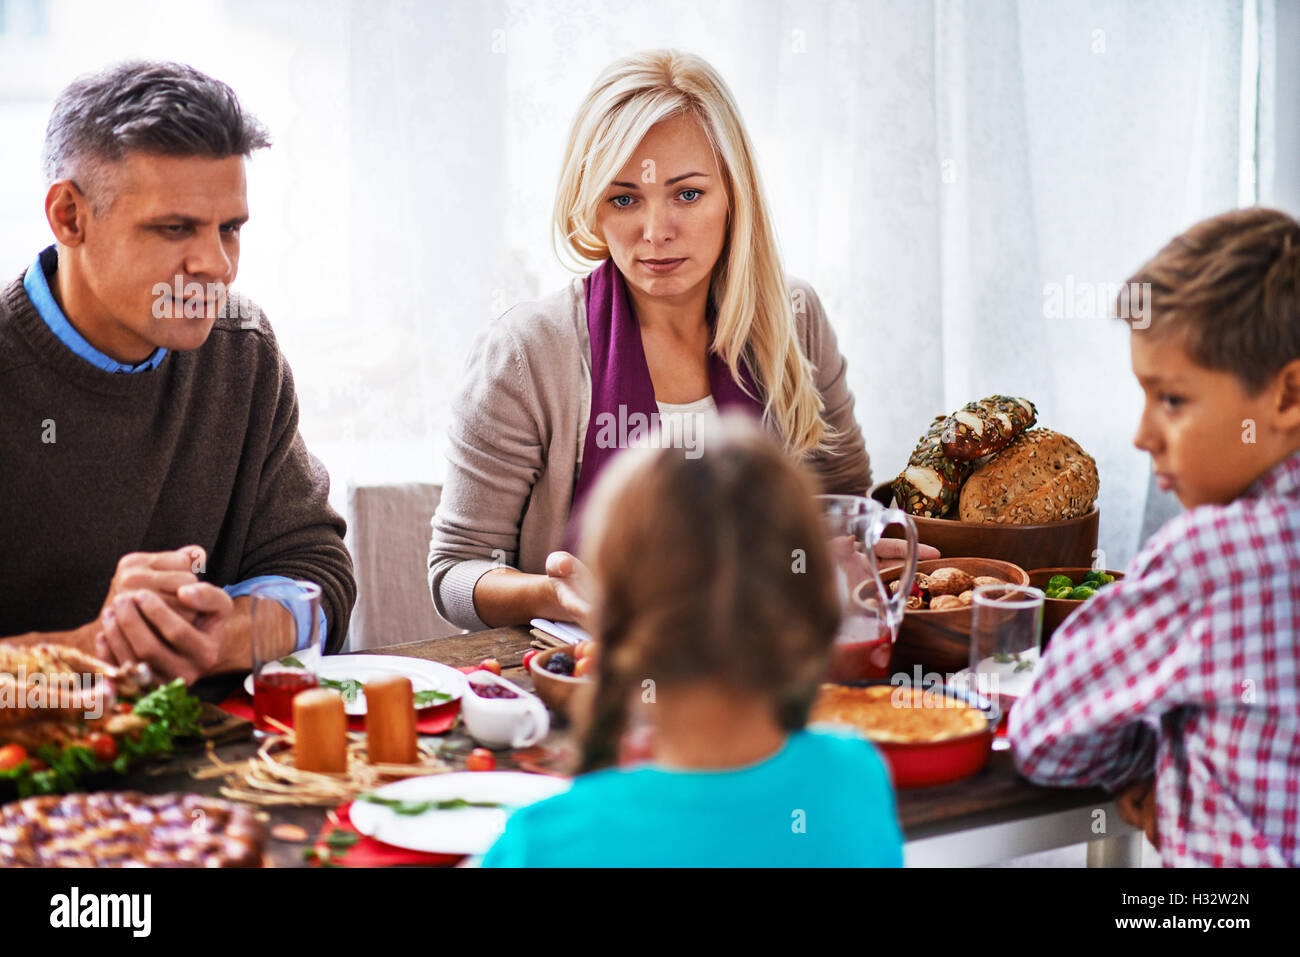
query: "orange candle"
390, 721
320, 729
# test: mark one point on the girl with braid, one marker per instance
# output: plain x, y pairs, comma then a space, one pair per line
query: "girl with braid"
715, 613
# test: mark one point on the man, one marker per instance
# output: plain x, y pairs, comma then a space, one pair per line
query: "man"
150, 460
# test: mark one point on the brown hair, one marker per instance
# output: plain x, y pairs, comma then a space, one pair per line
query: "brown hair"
708, 569
1230, 285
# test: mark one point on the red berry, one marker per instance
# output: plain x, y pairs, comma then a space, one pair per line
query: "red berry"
528, 657
12, 755
103, 746
480, 759
490, 664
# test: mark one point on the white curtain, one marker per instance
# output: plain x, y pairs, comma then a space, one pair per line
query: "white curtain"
932, 168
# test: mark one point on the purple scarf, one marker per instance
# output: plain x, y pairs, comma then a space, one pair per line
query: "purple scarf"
621, 378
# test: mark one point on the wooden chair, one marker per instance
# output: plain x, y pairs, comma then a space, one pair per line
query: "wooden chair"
388, 532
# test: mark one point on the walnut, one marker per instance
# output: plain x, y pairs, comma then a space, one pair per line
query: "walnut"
988, 580
966, 597
945, 603
949, 581
915, 601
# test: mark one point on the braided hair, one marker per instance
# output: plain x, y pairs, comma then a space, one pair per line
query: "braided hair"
708, 569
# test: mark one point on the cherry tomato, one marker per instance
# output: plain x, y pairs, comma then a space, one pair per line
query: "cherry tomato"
584, 666
103, 746
528, 657
490, 664
480, 759
12, 755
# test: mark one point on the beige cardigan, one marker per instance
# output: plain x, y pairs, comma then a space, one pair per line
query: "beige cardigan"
518, 427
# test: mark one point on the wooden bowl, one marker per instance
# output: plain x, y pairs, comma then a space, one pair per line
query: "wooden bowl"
1071, 542
940, 640
1056, 610
557, 691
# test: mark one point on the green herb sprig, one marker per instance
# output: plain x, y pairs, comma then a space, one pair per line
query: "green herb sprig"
335, 845
349, 688
1022, 664
420, 807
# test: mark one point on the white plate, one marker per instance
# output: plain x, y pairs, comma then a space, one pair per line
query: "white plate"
469, 830
424, 675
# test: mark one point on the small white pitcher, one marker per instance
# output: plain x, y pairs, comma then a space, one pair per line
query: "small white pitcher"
518, 722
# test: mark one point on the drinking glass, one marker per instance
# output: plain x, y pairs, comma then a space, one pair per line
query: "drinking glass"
279, 610
870, 615
1006, 624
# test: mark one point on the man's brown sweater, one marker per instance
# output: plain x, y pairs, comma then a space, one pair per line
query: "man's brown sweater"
203, 450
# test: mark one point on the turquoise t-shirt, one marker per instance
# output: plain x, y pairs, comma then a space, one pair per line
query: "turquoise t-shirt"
823, 800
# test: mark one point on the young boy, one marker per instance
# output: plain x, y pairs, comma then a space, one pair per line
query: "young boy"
1189, 668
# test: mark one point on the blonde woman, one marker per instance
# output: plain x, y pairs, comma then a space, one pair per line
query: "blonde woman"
687, 312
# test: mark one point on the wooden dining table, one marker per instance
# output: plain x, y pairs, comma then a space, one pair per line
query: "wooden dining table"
994, 816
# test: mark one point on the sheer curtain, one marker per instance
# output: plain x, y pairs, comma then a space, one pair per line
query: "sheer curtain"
932, 167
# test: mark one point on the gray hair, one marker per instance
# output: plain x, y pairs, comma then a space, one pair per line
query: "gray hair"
163, 108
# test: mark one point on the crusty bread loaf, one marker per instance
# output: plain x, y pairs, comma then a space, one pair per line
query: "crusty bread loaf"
1042, 476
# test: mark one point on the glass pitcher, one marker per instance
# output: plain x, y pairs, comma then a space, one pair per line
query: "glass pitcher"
871, 610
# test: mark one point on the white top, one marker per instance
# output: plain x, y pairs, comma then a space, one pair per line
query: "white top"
688, 426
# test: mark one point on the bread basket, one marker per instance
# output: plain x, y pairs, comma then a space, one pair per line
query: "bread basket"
1070, 542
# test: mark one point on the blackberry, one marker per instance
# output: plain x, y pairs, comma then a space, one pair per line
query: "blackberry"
560, 663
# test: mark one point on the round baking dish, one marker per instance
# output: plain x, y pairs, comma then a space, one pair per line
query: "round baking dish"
930, 763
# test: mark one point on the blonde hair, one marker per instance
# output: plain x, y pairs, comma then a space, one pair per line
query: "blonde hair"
755, 317
691, 559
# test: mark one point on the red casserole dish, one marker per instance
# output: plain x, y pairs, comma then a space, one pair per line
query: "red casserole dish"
928, 763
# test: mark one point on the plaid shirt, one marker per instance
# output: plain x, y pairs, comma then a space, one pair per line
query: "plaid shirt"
1188, 667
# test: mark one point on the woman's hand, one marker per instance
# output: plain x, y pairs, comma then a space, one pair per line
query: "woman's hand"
893, 551
574, 589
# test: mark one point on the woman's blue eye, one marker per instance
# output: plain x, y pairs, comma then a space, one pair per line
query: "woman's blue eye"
694, 194
617, 201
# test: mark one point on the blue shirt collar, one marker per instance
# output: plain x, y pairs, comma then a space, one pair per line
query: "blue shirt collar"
38, 290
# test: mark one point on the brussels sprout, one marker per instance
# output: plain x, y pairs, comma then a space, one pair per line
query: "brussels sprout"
1059, 581
1082, 592
1091, 576
1059, 593
1106, 579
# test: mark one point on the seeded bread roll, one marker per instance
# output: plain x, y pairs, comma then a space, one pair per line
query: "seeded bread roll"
1041, 477
987, 426
931, 483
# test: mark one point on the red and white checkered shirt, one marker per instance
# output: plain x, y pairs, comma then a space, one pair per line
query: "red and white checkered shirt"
1188, 667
